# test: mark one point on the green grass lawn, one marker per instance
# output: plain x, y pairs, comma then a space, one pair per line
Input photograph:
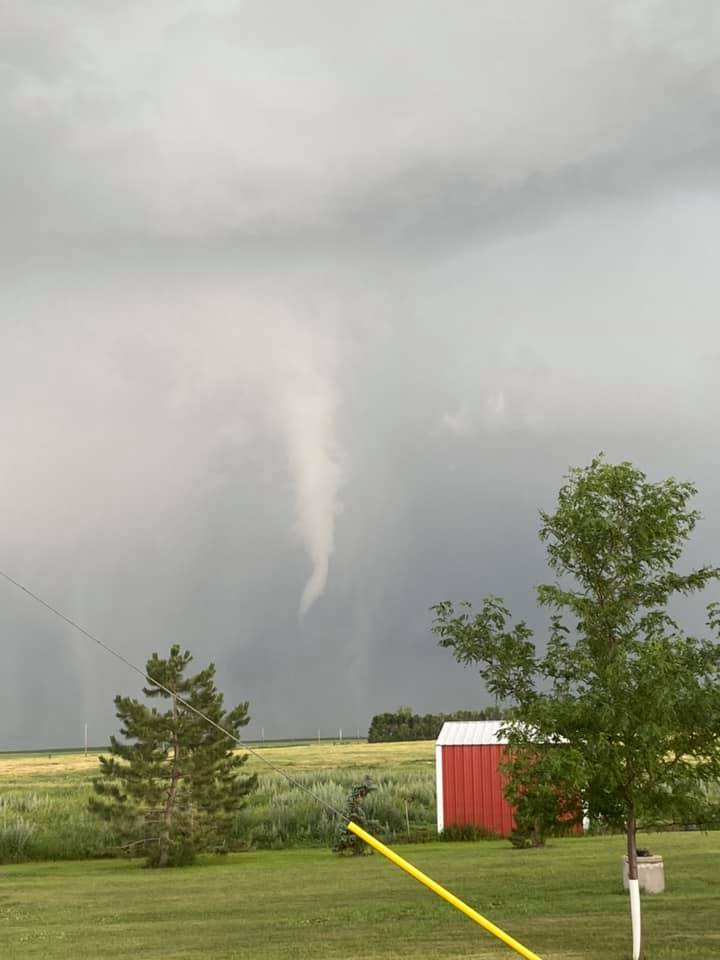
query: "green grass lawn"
563, 902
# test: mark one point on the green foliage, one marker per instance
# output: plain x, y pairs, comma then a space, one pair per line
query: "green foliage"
346, 841
542, 808
636, 700
465, 832
275, 815
404, 725
16, 835
172, 787
54, 825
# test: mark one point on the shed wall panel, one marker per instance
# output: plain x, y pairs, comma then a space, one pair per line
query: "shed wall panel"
473, 788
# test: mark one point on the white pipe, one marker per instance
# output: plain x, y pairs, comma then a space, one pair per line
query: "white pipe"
634, 887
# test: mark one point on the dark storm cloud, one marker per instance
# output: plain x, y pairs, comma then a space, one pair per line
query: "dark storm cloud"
248, 126
311, 307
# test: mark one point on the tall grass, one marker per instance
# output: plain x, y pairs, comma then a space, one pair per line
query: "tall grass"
55, 824
280, 814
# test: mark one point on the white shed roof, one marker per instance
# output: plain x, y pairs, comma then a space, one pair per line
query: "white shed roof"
456, 733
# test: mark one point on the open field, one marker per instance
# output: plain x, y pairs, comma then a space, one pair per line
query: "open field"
565, 902
356, 754
43, 798
40, 770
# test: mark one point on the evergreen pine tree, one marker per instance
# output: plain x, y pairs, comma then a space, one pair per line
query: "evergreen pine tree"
172, 784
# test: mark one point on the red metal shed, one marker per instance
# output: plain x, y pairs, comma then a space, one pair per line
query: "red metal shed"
469, 783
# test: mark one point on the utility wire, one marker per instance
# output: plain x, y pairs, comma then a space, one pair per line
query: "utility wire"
188, 706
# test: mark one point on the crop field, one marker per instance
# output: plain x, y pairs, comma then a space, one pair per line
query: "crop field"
565, 902
48, 769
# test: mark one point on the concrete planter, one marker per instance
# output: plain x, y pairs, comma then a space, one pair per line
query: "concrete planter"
651, 874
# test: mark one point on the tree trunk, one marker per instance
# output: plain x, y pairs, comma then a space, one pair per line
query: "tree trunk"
632, 846
169, 811
631, 831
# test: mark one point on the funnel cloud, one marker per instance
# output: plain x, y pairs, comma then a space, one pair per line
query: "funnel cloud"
309, 401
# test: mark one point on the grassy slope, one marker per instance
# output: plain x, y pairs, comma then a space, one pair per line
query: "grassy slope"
564, 902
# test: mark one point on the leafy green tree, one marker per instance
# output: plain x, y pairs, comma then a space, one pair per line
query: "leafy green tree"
636, 699
172, 784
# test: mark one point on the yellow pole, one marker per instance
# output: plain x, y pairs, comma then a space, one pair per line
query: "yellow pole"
442, 892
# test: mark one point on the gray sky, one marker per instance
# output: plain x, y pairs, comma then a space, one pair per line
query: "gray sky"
306, 309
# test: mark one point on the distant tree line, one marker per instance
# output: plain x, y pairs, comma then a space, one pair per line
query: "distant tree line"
403, 724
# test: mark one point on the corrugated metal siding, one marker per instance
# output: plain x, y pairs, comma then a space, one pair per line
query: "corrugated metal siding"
473, 788
467, 732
